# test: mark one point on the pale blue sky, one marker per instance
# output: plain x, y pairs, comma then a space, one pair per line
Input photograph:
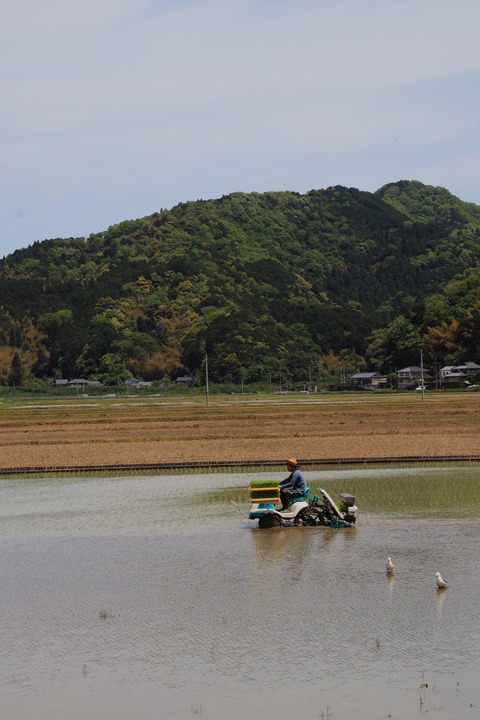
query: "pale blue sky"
113, 109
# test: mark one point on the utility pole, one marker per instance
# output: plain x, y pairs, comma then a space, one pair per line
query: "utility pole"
421, 368
206, 379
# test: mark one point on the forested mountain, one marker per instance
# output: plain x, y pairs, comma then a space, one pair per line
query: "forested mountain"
264, 283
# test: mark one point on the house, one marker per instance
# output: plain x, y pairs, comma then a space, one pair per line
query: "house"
410, 377
77, 382
458, 374
469, 368
134, 382
185, 380
451, 374
368, 380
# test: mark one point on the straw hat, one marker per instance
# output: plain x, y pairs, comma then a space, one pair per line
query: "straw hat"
292, 461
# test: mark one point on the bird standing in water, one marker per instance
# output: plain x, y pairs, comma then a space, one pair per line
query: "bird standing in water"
389, 566
441, 583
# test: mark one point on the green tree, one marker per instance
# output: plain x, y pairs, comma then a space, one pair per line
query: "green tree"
397, 346
16, 371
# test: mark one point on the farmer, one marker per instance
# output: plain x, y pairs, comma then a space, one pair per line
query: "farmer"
293, 486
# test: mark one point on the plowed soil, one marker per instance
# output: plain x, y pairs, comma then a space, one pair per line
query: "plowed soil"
111, 432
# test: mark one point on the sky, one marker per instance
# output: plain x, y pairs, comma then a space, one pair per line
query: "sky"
114, 109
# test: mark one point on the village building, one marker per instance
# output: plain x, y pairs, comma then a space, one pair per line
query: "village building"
411, 377
368, 381
76, 382
454, 375
184, 380
134, 382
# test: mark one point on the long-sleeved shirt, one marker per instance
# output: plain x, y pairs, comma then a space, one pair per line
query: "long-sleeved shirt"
295, 482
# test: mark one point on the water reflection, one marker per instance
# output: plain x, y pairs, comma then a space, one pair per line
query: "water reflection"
284, 551
441, 592
141, 595
390, 581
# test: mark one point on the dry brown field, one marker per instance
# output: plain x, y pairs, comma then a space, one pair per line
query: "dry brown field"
134, 431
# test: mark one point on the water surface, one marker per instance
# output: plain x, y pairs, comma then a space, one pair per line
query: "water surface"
141, 597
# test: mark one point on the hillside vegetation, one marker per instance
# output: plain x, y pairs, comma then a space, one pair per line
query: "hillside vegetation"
302, 286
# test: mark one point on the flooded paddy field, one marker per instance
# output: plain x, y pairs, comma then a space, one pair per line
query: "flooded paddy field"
153, 597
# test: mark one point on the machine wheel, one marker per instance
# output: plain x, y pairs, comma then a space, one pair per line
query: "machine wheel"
270, 520
307, 516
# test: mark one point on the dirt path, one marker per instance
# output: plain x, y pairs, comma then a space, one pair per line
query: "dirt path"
72, 434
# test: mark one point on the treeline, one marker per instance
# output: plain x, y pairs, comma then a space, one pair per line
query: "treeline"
267, 285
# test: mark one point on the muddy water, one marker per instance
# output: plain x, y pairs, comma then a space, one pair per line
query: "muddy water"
152, 597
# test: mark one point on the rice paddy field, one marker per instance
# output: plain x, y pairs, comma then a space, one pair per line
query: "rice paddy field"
81, 432
147, 594
151, 596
